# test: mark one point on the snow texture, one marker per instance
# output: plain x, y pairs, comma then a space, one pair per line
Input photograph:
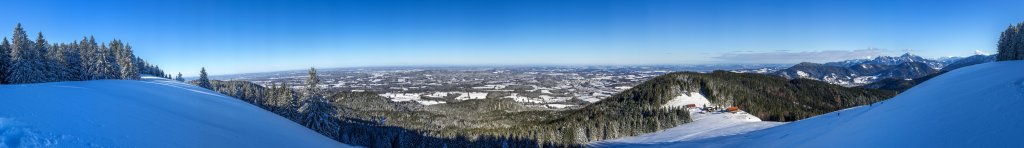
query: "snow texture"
704, 125
684, 99
153, 112
976, 106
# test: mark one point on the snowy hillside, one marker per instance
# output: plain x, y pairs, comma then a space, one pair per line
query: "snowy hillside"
153, 112
975, 106
704, 125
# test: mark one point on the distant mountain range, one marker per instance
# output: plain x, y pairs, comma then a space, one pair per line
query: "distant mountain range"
904, 84
864, 71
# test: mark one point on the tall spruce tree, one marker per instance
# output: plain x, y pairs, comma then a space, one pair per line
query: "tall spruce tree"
125, 58
49, 71
55, 55
179, 78
25, 60
73, 60
317, 111
203, 81
113, 68
5, 60
1011, 43
292, 104
87, 55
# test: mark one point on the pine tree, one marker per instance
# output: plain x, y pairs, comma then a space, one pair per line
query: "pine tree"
292, 104
204, 82
72, 61
1011, 43
125, 58
179, 78
25, 61
113, 68
87, 55
318, 113
5, 60
49, 69
103, 67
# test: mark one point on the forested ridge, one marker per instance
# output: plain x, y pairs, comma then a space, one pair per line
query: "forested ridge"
37, 61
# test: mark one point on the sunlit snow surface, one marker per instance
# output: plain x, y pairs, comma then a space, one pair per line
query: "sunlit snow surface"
976, 106
704, 125
153, 112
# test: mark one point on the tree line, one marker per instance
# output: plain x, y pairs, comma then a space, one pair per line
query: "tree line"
37, 61
1011, 43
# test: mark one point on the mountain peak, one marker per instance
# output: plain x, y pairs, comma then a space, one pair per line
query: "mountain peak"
906, 55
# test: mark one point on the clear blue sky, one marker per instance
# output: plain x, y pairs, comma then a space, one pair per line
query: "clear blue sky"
254, 36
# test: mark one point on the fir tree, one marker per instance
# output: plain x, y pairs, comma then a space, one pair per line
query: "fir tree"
25, 60
87, 55
72, 62
125, 58
179, 78
204, 82
49, 69
318, 113
1011, 43
5, 60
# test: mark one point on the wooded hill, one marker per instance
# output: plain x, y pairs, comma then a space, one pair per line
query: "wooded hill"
772, 98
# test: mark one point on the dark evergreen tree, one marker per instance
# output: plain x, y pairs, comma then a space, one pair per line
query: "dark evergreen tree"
126, 59
1011, 43
49, 69
204, 82
26, 61
72, 61
317, 111
5, 60
179, 78
87, 50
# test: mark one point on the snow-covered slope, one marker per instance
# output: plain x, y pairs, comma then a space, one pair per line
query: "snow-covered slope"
975, 106
684, 99
704, 125
153, 112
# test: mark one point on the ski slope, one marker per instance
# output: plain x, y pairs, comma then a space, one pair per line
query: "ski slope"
704, 125
975, 106
153, 112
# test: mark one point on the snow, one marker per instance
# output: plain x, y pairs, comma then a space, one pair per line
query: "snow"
153, 112
559, 106
685, 98
975, 106
704, 125
802, 74
471, 95
429, 102
401, 97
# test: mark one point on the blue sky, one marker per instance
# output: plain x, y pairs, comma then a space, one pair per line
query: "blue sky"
254, 36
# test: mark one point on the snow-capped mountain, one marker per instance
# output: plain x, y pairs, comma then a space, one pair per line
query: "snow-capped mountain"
891, 60
863, 71
975, 106
153, 112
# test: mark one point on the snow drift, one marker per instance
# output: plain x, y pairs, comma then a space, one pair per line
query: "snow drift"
153, 112
976, 106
